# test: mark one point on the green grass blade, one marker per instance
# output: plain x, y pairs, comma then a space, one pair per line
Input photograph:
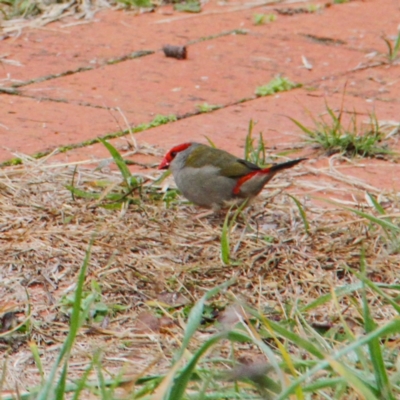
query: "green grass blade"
194, 321
323, 384
396, 46
181, 381
73, 182
36, 357
81, 193
60, 388
313, 334
341, 291
390, 48
248, 145
225, 247
100, 377
3, 374
374, 346
225, 233
196, 314
162, 178
240, 337
82, 381
293, 337
261, 152
302, 214
379, 221
119, 161
210, 142
335, 119
375, 203
307, 131
354, 381
376, 289
391, 328
383, 223
45, 391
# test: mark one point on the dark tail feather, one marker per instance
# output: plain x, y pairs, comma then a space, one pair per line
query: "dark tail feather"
285, 165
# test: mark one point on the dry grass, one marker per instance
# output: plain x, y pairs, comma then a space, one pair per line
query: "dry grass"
143, 252
18, 15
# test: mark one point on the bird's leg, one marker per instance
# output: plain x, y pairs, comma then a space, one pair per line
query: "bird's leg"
204, 214
215, 211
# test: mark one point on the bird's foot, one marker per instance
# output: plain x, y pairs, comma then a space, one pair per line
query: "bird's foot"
206, 214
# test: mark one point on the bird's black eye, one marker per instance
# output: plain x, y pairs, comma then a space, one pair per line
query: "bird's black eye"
173, 154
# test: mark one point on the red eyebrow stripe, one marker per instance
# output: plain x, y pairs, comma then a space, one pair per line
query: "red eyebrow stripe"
180, 147
243, 179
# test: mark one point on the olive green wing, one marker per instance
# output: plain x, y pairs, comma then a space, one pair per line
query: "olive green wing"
229, 165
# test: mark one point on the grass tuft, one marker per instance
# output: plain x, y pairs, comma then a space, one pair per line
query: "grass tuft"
19, 8
393, 46
254, 152
205, 107
136, 3
331, 134
261, 19
190, 6
278, 84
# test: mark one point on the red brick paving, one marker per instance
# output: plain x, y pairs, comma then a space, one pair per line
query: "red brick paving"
379, 83
224, 69
30, 126
219, 71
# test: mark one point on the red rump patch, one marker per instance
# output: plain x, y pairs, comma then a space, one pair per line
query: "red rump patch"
243, 179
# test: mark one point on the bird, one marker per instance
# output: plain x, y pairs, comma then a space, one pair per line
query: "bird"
215, 179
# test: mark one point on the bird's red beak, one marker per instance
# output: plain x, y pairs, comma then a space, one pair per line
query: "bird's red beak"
164, 164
